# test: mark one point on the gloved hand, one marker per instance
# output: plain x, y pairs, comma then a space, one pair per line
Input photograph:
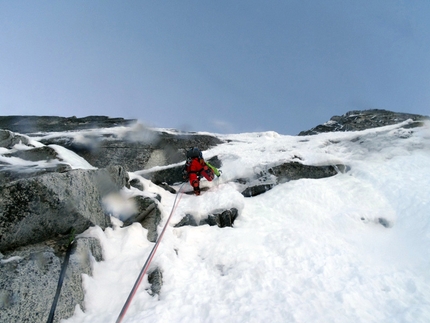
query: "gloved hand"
219, 173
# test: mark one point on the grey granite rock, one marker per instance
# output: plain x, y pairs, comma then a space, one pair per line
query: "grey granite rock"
37, 209
33, 124
364, 119
29, 278
8, 139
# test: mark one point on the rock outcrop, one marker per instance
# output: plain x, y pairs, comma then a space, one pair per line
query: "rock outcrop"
10, 173
35, 154
295, 170
39, 208
148, 215
43, 199
141, 148
366, 119
33, 124
155, 278
29, 276
286, 172
8, 139
220, 218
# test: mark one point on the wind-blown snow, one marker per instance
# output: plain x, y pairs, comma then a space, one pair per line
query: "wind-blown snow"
350, 248
71, 158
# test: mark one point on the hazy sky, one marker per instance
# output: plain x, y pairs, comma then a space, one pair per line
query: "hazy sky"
218, 66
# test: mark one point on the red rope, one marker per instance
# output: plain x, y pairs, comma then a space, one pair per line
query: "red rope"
148, 261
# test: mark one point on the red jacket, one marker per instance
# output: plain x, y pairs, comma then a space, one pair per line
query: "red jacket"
196, 165
196, 168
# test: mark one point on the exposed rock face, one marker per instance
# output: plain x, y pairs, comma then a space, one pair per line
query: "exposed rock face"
188, 219
42, 201
361, 120
131, 155
137, 184
257, 189
148, 215
140, 149
155, 278
220, 218
31, 124
294, 170
47, 154
29, 277
8, 139
10, 173
287, 172
35, 154
170, 175
37, 209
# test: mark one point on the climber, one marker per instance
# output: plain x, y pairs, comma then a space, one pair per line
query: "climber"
196, 167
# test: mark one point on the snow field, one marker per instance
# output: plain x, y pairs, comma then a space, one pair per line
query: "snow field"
305, 251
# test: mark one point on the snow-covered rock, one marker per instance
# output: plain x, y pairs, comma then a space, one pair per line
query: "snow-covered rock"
340, 233
365, 119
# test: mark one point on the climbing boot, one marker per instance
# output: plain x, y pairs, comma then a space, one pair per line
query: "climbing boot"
197, 190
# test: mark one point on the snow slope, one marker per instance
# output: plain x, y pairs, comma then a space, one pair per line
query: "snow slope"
350, 248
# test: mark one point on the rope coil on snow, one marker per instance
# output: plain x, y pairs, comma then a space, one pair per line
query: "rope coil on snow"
148, 261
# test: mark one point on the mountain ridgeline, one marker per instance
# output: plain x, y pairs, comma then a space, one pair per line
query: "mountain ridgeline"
45, 201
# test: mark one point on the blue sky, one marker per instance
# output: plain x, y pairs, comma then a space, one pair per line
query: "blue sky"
219, 66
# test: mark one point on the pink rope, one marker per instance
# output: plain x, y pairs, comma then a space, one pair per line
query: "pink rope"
148, 261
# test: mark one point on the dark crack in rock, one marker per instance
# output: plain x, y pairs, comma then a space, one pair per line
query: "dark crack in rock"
148, 215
